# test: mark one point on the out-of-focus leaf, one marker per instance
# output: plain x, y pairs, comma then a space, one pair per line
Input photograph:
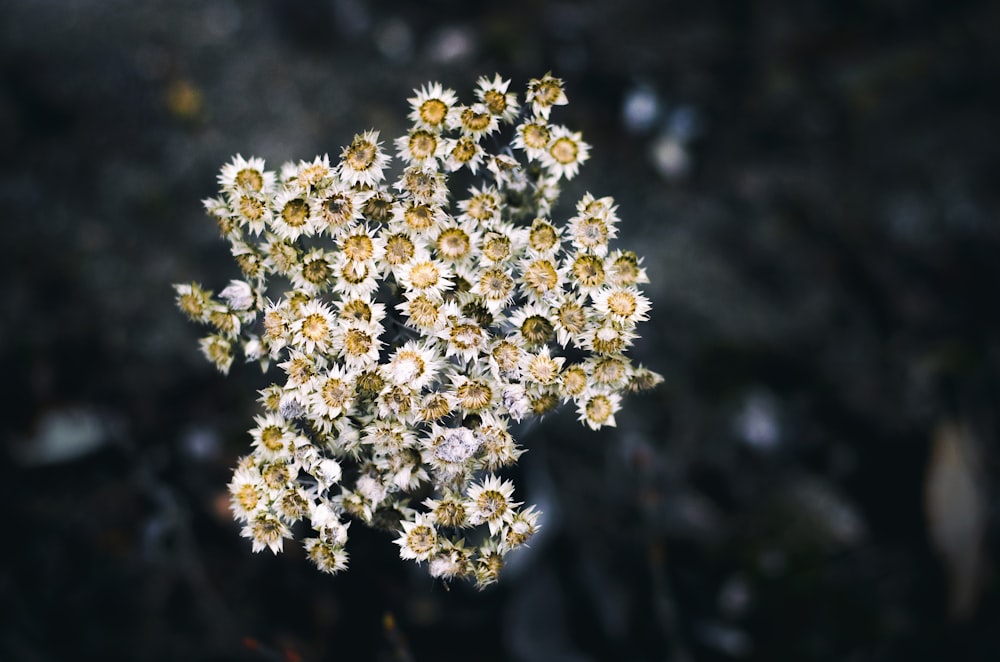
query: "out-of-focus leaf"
953, 501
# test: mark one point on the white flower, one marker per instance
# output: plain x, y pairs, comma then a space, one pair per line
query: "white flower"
474, 121
415, 364
265, 530
358, 344
371, 488
313, 329
246, 176
623, 305
496, 286
482, 207
419, 146
418, 540
423, 184
522, 526
431, 277
328, 557
465, 338
397, 401
327, 472
490, 502
423, 312
292, 216
362, 162
545, 92
238, 295
498, 101
565, 152
542, 368
332, 394
314, 274
448, 563
361, 245
388, 437
355, 280
597, 409
246, 490
498, 447
463, 151
594, 225
431, 106
534, 137
309, 175
516, 402
272, 436
337, 209
571, 316
324, 518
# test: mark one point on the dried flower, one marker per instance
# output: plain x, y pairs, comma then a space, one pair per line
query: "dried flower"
410, 331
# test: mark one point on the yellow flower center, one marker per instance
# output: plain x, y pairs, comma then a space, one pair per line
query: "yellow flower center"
399, 249
474, 121
295, 212
424, 275
423, 144
496, 247
315, 327
316, 271
588, 270
536, 136
251, 208
541, 276
433, 112
622, 303
474, 395
335, 393
495, 102
453, 243
270, 438
599, 408
357, 342
418, 217
542, 236
248, 178
361, 154
359, 248
564, 150
464, 150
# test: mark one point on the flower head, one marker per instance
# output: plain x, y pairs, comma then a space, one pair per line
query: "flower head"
413, 314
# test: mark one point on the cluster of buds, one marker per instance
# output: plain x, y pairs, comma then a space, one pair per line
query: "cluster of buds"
412, 329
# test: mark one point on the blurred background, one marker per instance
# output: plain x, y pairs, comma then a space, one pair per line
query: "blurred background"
813, 186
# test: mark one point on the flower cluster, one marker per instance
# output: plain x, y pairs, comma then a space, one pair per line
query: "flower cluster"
413, 328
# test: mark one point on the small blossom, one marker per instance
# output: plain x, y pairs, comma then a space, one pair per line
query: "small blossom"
474, 121
494, 96
491, 502
418, 540
598, 409
219, 351
544, 93
624, 305
266, 530
565, 152
363, 161
463, 151
431, 105
245, 176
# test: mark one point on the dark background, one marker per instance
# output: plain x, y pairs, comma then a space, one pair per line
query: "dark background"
813, 189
